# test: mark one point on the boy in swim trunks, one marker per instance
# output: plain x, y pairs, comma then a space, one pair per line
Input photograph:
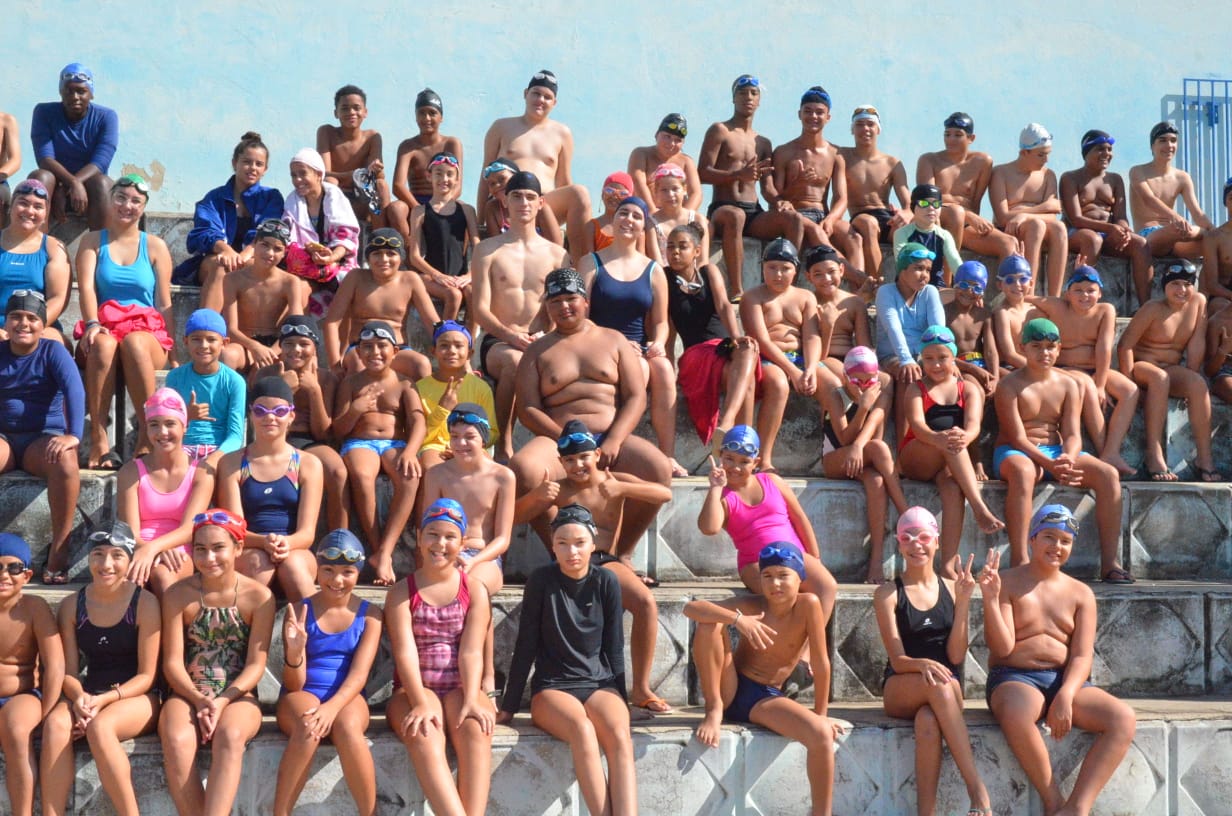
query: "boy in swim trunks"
1094, 203
1016, 281
1023, 195
347, 147
1088, 328
385, 290
604, 493
1154, 188
871, 177
216, 394
1040, 627
667, 149
30, 645
1038, 411
1160, 335
412, 184
443, 235
971, 322
452, 382
1219, 353
257, 296
925, 229
844, 313
743, 686
381, 419
1217, 259
784, 321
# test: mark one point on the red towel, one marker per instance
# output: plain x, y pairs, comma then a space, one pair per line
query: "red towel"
131, 317
701, 380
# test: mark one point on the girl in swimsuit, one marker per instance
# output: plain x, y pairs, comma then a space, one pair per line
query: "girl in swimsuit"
601, 231
668, 182
109, 696
853, 419
216, 636
571, 631
278, 492
438, 618
32, 259
159, 493
329, 644
943, 420
923, 621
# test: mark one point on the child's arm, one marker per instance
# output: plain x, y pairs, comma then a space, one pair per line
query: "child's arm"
722, 302
51, 653
66, 623
1210, 285
311, 490
992, 357
320, 719
898, 180
745, 612
237, 399
713, 515
998, 198
860, 334
656, 328
350, 407
525, 650
416, 430
952, 259
295, 645
402, 172
998, 608
339, 307
814, 336
1104, 342
1007, 349
529, 401
1219, 346
160, 259
1138, 324
838, 193
1077, 666
320, 387
537, 502
819, 656
626, 486
1191, 203
475, 704
693, 187
799, 521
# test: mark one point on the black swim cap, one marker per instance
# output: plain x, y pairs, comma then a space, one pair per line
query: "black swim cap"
816, 94
575, 437
28, 300
675, 124
780, 249
1180, 270
1093, 139
543, 79
574, 514
563, 282
428, 98
819, 254
961, 121
301, 325
925, 192
274, 387
524, 180
1161, 129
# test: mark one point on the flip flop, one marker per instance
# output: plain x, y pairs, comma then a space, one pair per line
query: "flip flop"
1205, 475
654, 705
1116, 575
110, 461
1164, 475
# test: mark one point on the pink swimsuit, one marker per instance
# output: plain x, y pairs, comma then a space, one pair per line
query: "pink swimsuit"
752, 527
162, 512
438, 633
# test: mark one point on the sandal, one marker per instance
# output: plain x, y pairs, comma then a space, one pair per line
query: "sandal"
1116, 575
654, 704
111, 461
1164, 475
1205, 475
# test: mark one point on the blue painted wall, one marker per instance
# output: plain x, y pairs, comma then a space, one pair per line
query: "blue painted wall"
188, 78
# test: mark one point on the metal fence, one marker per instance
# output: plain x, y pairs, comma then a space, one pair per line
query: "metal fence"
1203, 114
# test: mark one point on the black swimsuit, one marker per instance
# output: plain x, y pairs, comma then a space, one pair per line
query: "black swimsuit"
925, 633
110, 652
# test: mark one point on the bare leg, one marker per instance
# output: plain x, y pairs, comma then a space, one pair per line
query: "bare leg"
728, 224
354, 754
493, 580
1098, 711
141, 356
1156, 383
1031, 233
566, 719
1102, 478
474, 751
774, 392
662, 379
411, 364
572, 203
639, 601
639, 458
716, 679
239, 722
177, 729
610, 717
336, 496
56, 762
100, 376
211, 274
122, 720
794, 721
502, 364
1121, 389
952, 512
953, 218
1018, 707
1190, 386
1020, 475
427, 754
739, 385
400, 505
18, 719
869, 231
300, 748
297, 575
927, 761
63, 488
98, 190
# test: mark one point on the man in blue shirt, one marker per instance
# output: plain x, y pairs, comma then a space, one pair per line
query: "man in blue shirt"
74, 142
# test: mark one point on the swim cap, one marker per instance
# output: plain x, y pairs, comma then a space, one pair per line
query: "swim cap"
574, 514
445, 510
746, 81
637, 202
27, 300
1034, 136
274, 228
543, 79
523, 180
377, 330
1054, 517
499, 166
14, 546
575, 438
620, 178
272, 388
1085, 274
781, 554
816, 95
819, 254
939, 336
780, 249
451, 326
860, 360
1180, 270
742, 439
235, 526
309, 158
117, 534
912, 252
564, 282
667, 171
916, 518
445, 158
385, 238
1093, 139
961, 121
166, 402
300, 325
340, 547
865, 112
32, 187
136, 182
469, 413
1161, 129
76, 72
675, 124
428, 98
972, 272
1041, 328
205, 320
925, 192
1013, 266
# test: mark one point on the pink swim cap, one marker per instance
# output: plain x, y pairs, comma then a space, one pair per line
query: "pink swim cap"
166, 402
860, 360
917, 518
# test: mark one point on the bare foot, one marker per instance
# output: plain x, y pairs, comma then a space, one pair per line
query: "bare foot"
980, 475
876, 575
678, 470
709, 731
986, 521
1118, 462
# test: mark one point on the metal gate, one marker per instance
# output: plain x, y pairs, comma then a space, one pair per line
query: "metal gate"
1203, 114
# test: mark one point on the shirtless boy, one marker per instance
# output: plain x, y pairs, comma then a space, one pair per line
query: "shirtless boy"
10, 161
256, 298
667, 149
744, 686
486, 492
1163, 349
604, 493
971, 322
1094, 203
871, 177
1154, 188
846, 314
1217, 259
1016, 281
734, 160
1219, 353
383, 289
784, 321
412, 186
543, 148
381, 418
1088, 329
1040, 627
585, 372
29, 640
1023, 195
347, 147
507, 276
962, 175
1038, 411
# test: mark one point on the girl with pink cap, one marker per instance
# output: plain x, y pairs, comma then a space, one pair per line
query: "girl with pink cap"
853, 420
923, 621
671, 193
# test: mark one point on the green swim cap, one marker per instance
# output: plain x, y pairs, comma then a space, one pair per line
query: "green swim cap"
1041, 328
912, 252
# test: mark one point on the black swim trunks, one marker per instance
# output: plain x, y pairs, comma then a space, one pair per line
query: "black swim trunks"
883, 217
485, 345
751, 209
814, 214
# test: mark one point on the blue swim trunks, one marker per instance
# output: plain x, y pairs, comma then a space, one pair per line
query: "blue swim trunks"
36, 692
1046, 681
470, 552
748, 694
1145, 232
377, 446
1004, 452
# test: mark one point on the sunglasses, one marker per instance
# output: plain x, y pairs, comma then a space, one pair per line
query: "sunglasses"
280, 411
923, 536
14, 568
442, 512
376, 334
929, 204
390, 241
466, 417
30, 189
449, 160
340, 554
742, 448
970, 286
289, 329
1065, 519
575, 439
217, 517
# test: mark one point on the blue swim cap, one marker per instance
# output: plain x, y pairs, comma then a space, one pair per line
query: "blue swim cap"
972, 272
445, 510
743, 440
205, 320
1014, 266
1054, 517
341, 547
1085, 274
14, 546
451, 326
76, 72
780, 249
781, 554
637, 202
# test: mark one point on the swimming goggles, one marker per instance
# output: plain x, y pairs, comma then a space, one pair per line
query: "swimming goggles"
498, 166
675, 128
215, 517
1016, 279
280, 411
919, 255
923, 536
865, 383
616, 191
572, 439
288, 329
816, 94
275, 228
32, 293
76, 76
1054, 518
134, 181
441, 512
466, 417
443, 158
1096, 141
689, 287
865, 112
969, 286
110, 538
377, 334
961, 123
336, 553
746, 81
387, 241
929, 203
26, 188
14, 568
742, 447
